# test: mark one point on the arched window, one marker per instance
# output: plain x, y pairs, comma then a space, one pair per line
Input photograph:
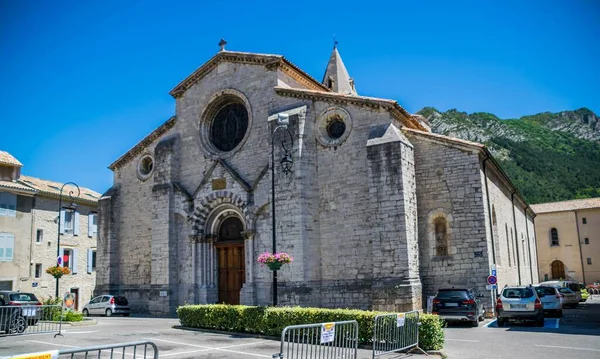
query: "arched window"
553, 237
441, 236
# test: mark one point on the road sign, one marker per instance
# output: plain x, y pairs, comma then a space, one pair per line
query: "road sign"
494, 272
491, 287
59, 260
492, 279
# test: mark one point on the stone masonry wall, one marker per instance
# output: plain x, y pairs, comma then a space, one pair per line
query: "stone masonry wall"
449, 185
46, 218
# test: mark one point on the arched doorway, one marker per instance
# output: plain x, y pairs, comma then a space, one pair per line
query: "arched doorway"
558, 270
230, 259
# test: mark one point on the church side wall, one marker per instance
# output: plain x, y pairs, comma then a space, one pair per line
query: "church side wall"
449, 186
134, 233
507, 241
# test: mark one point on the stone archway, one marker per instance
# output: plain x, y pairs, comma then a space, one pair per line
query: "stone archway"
558, 269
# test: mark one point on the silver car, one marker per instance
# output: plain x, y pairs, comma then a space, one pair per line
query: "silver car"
568, 297
551, 299
519, 303
107, 305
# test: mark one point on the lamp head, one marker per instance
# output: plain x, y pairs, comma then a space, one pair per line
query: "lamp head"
72, 206
287, 162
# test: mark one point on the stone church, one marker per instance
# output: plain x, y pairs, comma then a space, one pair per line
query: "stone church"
377, 211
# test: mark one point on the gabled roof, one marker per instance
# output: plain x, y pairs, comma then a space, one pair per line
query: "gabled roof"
139, 147
10, 185
392, 106
52, 189
337, 75
8, 159
562, 206
271, 61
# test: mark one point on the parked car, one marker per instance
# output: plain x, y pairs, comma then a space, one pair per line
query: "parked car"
107, 305
459, 304
572, 285
519, 303
28, 302
551, 300
12, 320
568, 297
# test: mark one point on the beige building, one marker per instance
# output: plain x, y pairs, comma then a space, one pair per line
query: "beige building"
568, 240
29, 224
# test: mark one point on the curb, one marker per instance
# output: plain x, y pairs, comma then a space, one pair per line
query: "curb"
83, 323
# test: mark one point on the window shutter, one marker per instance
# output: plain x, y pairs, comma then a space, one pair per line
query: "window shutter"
89, 261
90, 226
62, 257
12, 205
74, 261
76, 224
62, 221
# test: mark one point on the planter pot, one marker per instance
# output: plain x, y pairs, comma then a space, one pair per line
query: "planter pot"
57, 276
274, 265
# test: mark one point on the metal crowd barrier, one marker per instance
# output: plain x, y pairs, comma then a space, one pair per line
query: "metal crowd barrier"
147, 349
30, 319
323, 340
396, 333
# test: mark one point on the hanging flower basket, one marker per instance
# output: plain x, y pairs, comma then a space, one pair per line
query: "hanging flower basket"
57, 272
274, 261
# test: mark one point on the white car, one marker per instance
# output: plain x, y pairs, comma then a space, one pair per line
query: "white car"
551, 299
568, 297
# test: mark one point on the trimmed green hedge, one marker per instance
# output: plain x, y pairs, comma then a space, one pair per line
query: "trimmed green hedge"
272, 320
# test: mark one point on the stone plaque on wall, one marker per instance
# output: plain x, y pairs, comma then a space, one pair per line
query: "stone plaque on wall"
219, 183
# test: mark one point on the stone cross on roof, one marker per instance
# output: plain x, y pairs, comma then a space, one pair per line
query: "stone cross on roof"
222, 43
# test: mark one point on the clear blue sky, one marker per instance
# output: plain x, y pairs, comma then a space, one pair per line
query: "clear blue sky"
81, 82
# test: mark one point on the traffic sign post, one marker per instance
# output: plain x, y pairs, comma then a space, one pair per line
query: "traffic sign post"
492, 286
492, 280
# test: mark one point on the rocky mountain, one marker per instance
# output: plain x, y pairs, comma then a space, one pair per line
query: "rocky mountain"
549, 156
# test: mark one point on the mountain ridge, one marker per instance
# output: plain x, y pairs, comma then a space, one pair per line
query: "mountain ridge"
549, 156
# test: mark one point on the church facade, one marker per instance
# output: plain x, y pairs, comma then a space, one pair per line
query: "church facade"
377, 211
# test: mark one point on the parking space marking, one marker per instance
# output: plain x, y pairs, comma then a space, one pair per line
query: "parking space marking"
490, 323
463, 340
572, 348
58, 345
205, 348
76, 332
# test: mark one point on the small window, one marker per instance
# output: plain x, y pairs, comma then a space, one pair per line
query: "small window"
69, 221
584, 220
7, 244
441, 236
589, 261
8, 204
94, 260
554, 237
67, 258
587, 241
39, 236
38, 270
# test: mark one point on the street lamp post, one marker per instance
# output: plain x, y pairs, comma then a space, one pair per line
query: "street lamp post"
73, 207
286, 164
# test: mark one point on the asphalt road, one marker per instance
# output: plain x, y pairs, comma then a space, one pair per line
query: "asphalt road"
574, 336
577, 336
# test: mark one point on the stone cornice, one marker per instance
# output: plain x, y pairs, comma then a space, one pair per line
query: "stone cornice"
271, 61
393, 107
140, 146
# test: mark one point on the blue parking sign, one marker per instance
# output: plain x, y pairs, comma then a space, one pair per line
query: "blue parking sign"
494, 272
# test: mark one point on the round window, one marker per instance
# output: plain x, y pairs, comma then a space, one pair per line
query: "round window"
229, 126
336, 128
145, 167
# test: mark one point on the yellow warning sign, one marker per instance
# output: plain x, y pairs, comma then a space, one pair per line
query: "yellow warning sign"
41, 355
327, 332
400, 319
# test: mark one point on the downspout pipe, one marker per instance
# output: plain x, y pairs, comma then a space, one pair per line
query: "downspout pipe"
516, 243
487, 194
528, 244
579, 242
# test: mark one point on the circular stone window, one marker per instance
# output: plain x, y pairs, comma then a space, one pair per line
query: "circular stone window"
145, 167
229, 127
336, 127
225, 124
333, 127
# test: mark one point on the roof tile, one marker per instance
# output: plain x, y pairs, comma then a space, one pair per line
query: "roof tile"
8, 159
562, 206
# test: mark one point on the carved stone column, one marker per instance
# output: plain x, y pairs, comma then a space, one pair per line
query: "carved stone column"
247, 291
